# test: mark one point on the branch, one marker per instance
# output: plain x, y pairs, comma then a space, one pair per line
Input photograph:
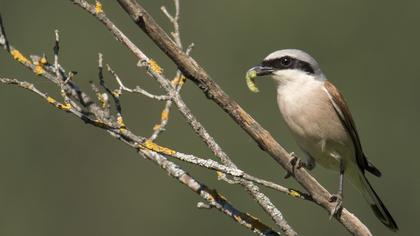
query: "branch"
179, 79
193, 71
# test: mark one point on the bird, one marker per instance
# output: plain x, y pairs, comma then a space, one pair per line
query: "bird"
320, 121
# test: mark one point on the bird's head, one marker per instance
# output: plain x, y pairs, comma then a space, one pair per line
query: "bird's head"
288, 65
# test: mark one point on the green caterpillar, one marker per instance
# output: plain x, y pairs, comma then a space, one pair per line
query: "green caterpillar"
249, 78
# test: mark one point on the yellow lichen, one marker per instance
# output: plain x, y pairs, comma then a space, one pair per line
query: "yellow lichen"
181, 80
65, 106
219, 174
175, 81
38, 70
98, 7
120, 122
156, 127
43, 60
154, 66
237, 218
294, 193
165, 115
103, 99
19, 57
116, 93
178, 81
210, 197
149, 144
51, 100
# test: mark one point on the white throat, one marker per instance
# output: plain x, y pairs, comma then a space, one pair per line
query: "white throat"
283, 77
294, 83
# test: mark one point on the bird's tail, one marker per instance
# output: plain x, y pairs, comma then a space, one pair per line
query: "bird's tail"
376, 204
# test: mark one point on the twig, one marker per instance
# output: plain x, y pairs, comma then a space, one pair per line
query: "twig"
56, 50
174, 20
64, 107
57, 68
202, 205
213, 165
103, 98
137, 89
179, 79
115, 96
177, 82
3, 38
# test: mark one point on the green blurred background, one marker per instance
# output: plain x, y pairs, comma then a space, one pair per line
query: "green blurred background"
59, 176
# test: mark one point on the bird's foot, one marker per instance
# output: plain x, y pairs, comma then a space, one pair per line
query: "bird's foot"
338, 200
296, 164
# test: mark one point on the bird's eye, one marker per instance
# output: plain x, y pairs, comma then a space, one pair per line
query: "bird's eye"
285, 61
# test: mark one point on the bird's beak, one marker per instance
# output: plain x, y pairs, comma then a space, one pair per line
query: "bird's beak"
261, 70
253, 73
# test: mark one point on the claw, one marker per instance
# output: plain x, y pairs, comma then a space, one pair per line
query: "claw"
338, 199
296, 163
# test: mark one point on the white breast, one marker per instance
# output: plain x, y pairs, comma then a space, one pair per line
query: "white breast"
312, 119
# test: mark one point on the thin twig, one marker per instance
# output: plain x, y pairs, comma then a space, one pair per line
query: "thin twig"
179, 79
213, 165
137, 89
3, 38
56, 50
175, 22
57, 68
103, 98
62, 106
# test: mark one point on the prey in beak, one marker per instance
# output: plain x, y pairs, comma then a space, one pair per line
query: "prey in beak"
253, 73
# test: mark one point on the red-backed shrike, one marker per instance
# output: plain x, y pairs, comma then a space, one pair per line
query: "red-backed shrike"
321, 122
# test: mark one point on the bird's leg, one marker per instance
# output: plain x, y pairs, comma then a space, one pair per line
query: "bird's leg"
338, 197
296, 163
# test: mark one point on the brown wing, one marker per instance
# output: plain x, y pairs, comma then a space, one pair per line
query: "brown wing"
344, 114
